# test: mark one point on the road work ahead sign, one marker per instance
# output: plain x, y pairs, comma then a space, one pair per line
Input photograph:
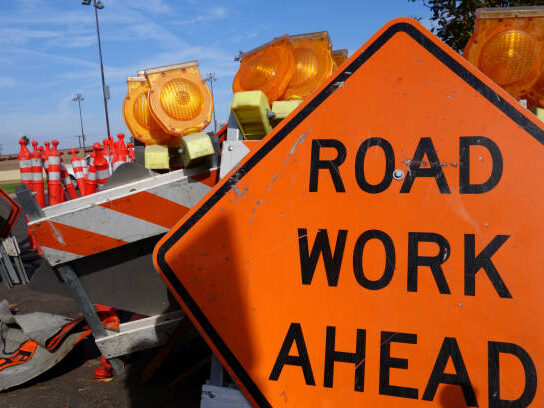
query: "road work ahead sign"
383, 247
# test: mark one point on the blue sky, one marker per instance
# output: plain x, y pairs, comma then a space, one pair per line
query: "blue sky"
49, 52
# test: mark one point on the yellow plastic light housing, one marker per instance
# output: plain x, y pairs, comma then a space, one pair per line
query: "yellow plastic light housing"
339, 56
267, 68
313, 64
180, 100
137, 115
507, 45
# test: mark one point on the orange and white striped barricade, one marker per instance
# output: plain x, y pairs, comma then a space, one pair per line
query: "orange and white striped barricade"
67, 182
131, 152
101, 166
25, 165
37, 174
79, 171
121, 215
90, 177
54, 183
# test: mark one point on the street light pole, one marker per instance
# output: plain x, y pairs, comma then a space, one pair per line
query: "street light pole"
98, 5
79, 98
211, 78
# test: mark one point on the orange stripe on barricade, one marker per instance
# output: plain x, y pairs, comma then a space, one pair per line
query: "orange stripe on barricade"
149, 207
62, 237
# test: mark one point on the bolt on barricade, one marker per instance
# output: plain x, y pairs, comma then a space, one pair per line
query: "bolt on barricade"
37, 174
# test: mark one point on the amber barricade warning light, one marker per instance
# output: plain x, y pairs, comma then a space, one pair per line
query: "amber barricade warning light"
339, 56
377, 254
137, 115
267, 68
313, 64
507, 45
180, 100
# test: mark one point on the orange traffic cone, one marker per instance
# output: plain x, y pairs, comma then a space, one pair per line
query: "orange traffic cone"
90, 180
67, 182
54, 183
79, 171
37, 174
25, 165
131, 152
101, 166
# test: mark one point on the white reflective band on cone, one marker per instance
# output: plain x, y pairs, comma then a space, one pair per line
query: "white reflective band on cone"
36, 162
79, 174
102, 175
91, 175
25, 164
26, 176
53, 175
37, 176
54, 160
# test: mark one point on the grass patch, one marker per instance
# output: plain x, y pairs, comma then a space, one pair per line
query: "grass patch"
9, 188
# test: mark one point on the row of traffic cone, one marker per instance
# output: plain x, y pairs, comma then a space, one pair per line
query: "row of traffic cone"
104, 160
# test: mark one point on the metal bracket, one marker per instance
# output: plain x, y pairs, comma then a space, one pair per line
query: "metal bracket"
139, 335
87, 309
233, 152
222, 397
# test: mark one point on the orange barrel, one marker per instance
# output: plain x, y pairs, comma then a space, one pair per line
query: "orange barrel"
90, 180
131, 152
79, 171
54, 184
46, 162
25, 165
101, 166
37, 174
67, 182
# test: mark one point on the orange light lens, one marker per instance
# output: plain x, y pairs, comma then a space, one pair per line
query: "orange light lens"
268, 69
507, 45
509, 56
137, 115
313, 64
181, 99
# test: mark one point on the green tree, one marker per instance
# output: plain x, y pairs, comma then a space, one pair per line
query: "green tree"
453, 20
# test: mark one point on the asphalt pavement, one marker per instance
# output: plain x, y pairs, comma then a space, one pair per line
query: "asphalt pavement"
71, 384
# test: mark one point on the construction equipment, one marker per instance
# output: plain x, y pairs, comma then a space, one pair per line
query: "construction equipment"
355, 243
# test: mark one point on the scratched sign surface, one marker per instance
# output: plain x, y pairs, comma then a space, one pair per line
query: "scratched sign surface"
382, 247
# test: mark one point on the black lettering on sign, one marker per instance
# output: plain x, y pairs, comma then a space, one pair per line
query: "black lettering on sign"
450, 349
483, 261
425, 148
322, 246
357, 358
494, 349
433, 262
389, 260
360, 165
465, 187
387, 362
294, 335
317, 164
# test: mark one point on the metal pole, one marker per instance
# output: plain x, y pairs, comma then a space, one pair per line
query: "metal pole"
81, 121
211, 77
102, 70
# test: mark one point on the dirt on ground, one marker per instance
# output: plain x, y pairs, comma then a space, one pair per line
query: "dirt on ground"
71, 384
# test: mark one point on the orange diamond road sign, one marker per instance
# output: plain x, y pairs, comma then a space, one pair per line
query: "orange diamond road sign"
383, 247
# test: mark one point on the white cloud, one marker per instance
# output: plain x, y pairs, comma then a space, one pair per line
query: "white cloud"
8, 82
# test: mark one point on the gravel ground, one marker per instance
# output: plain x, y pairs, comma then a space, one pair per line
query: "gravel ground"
71, 383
